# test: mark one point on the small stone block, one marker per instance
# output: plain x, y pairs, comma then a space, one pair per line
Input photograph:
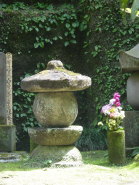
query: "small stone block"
7, 138
116, 146
131, 125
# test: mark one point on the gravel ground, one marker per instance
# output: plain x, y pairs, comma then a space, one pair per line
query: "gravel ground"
85, 175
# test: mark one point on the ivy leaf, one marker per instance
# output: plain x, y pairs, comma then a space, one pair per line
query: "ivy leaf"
37, 29
66, 33
36, 45
48, 29
75, 24
67, 25
66, 43
73, 41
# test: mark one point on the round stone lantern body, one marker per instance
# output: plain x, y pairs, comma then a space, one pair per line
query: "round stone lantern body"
55, 109
132, 90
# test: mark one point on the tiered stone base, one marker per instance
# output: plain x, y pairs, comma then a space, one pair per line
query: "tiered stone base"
55, 136
55, 144
61, 156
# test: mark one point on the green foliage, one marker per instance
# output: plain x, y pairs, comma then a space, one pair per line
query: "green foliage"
22, 104
135, 152
104, 38
47, 163
92, 139
94, 28
106, 35
45, 23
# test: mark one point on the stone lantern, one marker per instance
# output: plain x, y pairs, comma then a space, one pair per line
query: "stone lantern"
129, 61
55, 108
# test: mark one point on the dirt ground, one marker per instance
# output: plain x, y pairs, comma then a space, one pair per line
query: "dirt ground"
85, 175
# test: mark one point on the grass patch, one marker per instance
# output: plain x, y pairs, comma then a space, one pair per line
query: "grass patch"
100, 158
97, 158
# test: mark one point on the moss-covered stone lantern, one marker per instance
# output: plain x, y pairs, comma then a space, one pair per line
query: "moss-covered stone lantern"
55, 108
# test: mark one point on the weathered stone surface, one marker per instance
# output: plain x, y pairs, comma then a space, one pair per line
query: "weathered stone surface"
132, 90
58, 154
7, 138
13, 157
7, 129
116, 146
55, 78
129, 60
55, 136
131, 125
6, 89
55, 109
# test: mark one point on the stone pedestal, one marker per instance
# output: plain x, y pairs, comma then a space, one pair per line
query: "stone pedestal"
131, 125
7, 138
7, 129
55, 107
116, 146
59, 155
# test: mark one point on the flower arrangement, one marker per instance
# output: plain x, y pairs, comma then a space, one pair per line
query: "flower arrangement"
113, 113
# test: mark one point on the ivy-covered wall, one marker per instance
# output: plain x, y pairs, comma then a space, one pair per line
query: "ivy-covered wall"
86, 35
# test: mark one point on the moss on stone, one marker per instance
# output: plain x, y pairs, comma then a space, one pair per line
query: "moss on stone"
59, 69
32, 145
59, 155
7, 138
71, 73
116, 146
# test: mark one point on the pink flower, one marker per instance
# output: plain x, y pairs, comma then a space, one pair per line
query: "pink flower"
113, 115
116, 95
118, 104
117, 99
105, 109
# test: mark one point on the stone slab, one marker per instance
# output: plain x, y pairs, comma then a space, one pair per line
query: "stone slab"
55, 136
6, 157
5, 88
131, 125
7, 138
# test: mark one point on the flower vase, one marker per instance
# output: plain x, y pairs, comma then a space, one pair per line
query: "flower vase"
116, 146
